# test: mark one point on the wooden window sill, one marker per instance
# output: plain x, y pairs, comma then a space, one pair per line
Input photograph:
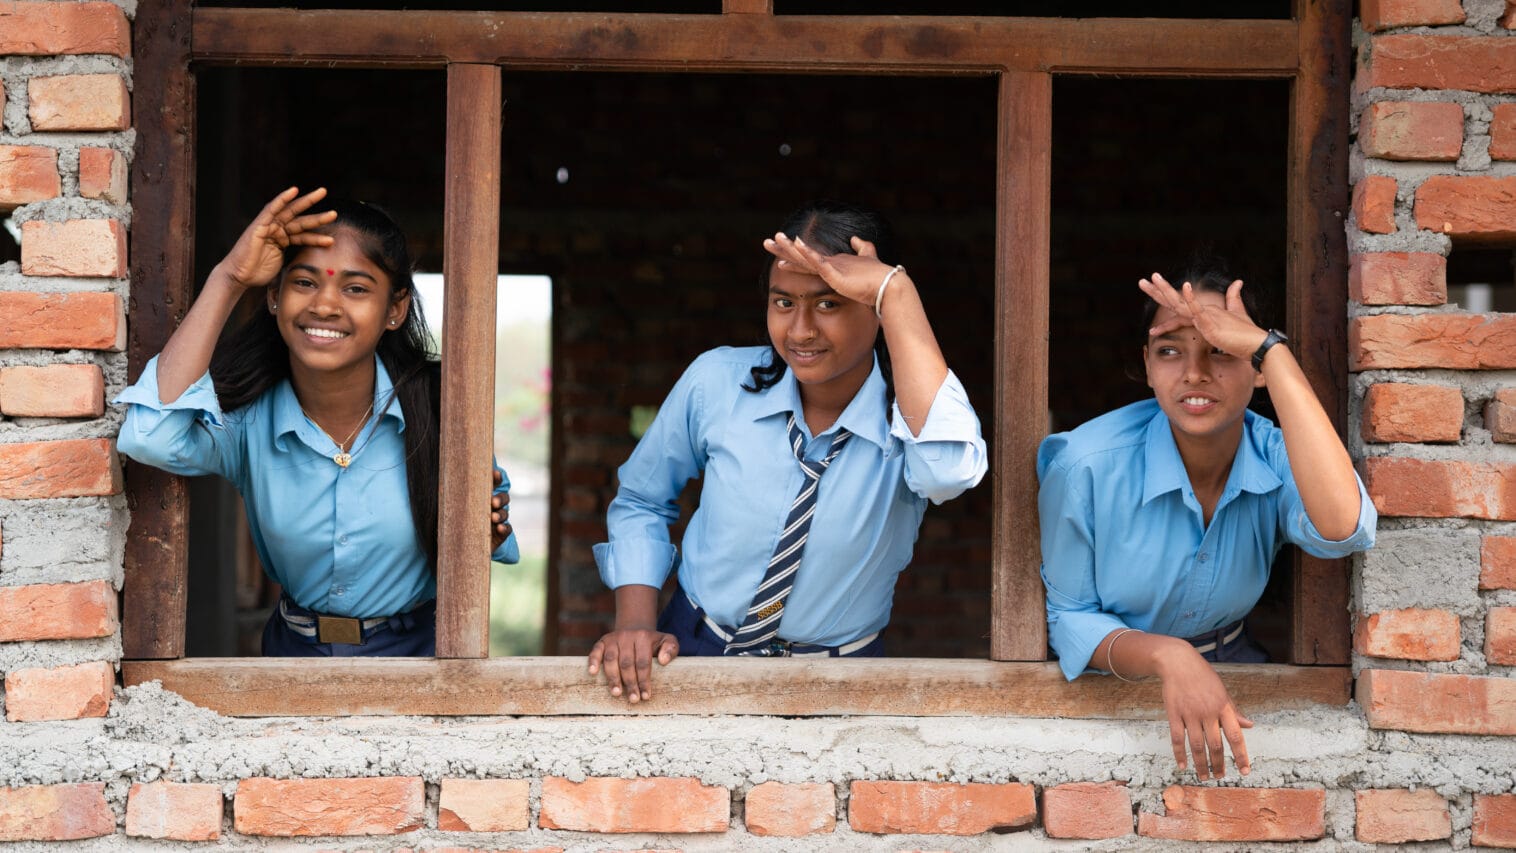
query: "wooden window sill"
549, 686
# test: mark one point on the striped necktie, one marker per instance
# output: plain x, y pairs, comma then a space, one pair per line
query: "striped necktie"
762, 621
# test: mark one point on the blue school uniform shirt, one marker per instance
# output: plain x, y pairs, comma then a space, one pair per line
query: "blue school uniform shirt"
1124, 542
868, 507
340, 541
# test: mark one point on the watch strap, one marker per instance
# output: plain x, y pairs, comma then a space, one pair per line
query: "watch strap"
1274, 337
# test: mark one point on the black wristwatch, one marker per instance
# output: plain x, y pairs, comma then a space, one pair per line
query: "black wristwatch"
1275, 337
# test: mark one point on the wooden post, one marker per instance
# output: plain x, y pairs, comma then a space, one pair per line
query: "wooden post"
154, 593
470, 265
1018, 627
1317, 288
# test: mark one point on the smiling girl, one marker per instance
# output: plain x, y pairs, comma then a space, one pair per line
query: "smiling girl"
1160, 520
817, 466
323, 411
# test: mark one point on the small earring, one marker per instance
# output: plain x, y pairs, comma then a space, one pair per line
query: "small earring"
394, 322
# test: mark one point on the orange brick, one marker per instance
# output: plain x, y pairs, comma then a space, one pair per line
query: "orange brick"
1398, 278
291, 807
939, 808
1476, 209
1395, 411
52, 391
71, 468
776, 808
484, 805
1087, 810
1500, 416
1470, 63
79, 102
102, 174
1396, 816
1407, 130
1495, 820
61, 693
93, 248
48, 29
1497, 562
634, 805
57, 611
1422, 488
1451, 341
1503, 132
1433, 702
1500, 636
1376, 15
1237, 814
62, 321
1374, 204
1411, 634
28, 173
1508, 18
55, 812
178, 812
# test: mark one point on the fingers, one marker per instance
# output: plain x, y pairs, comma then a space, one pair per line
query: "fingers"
303, 203
793, 255
644, 670
1176, 740
668, 649
864, 248
1196, 733
498, 477
627, 664
596, 654
1213, 749
1169, 325
1231, 725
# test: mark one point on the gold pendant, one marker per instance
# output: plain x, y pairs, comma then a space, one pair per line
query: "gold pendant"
343, 459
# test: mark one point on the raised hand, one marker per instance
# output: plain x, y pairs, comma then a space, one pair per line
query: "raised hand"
259, 253
1225, 326
855, 277
626, 655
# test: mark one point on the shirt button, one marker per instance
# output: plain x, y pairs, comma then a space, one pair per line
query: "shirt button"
1189, 614
1203, 555
338, 590
342, 540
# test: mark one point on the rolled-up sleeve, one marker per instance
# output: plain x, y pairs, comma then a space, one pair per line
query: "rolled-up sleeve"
1300, 530
646, 502
188, 436
1076, 624
948, 457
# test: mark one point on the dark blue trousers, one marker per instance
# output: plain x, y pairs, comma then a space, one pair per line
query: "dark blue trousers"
687, 624
407, 635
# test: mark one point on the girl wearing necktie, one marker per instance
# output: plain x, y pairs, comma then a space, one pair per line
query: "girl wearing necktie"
818, 460
1160, 520
323, 411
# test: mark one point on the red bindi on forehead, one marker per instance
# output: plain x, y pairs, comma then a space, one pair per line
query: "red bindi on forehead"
331, 272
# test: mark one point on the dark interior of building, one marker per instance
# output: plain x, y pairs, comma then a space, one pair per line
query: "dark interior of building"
645, 197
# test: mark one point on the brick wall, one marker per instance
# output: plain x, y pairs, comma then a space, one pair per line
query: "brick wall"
1423, 756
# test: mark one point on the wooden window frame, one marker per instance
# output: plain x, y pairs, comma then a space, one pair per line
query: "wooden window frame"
1312, 51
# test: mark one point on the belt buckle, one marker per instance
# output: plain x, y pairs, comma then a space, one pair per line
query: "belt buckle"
778, 648
339, 629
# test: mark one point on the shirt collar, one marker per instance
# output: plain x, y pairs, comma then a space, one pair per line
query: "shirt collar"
863, 417
288, 417
1163, 468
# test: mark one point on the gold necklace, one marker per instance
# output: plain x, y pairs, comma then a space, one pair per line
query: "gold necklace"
341, 457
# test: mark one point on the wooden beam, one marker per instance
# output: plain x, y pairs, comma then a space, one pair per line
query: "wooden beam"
1022, 246
550, 686
470, 265
752, 42
1317, 287
747, 7
162, 270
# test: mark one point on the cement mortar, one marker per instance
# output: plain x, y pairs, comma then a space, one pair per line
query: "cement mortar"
152, 734
52, 653
1421, 567
61, 541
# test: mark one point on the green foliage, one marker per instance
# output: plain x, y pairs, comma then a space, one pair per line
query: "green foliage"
517, 606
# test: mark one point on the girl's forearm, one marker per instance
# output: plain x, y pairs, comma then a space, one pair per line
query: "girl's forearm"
919, 367
187, 355
1320, 463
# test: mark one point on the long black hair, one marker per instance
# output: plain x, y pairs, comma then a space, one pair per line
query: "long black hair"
253, 358
828, 226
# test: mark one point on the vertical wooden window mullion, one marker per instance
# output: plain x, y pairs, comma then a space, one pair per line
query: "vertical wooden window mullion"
471, 229
1022, 246
1317, 287
154, 591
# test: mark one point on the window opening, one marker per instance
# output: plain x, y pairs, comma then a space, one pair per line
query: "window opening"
1481, 280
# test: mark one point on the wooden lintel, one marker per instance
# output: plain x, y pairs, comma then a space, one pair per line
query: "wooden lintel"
553, 686
746, 42
747, 7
